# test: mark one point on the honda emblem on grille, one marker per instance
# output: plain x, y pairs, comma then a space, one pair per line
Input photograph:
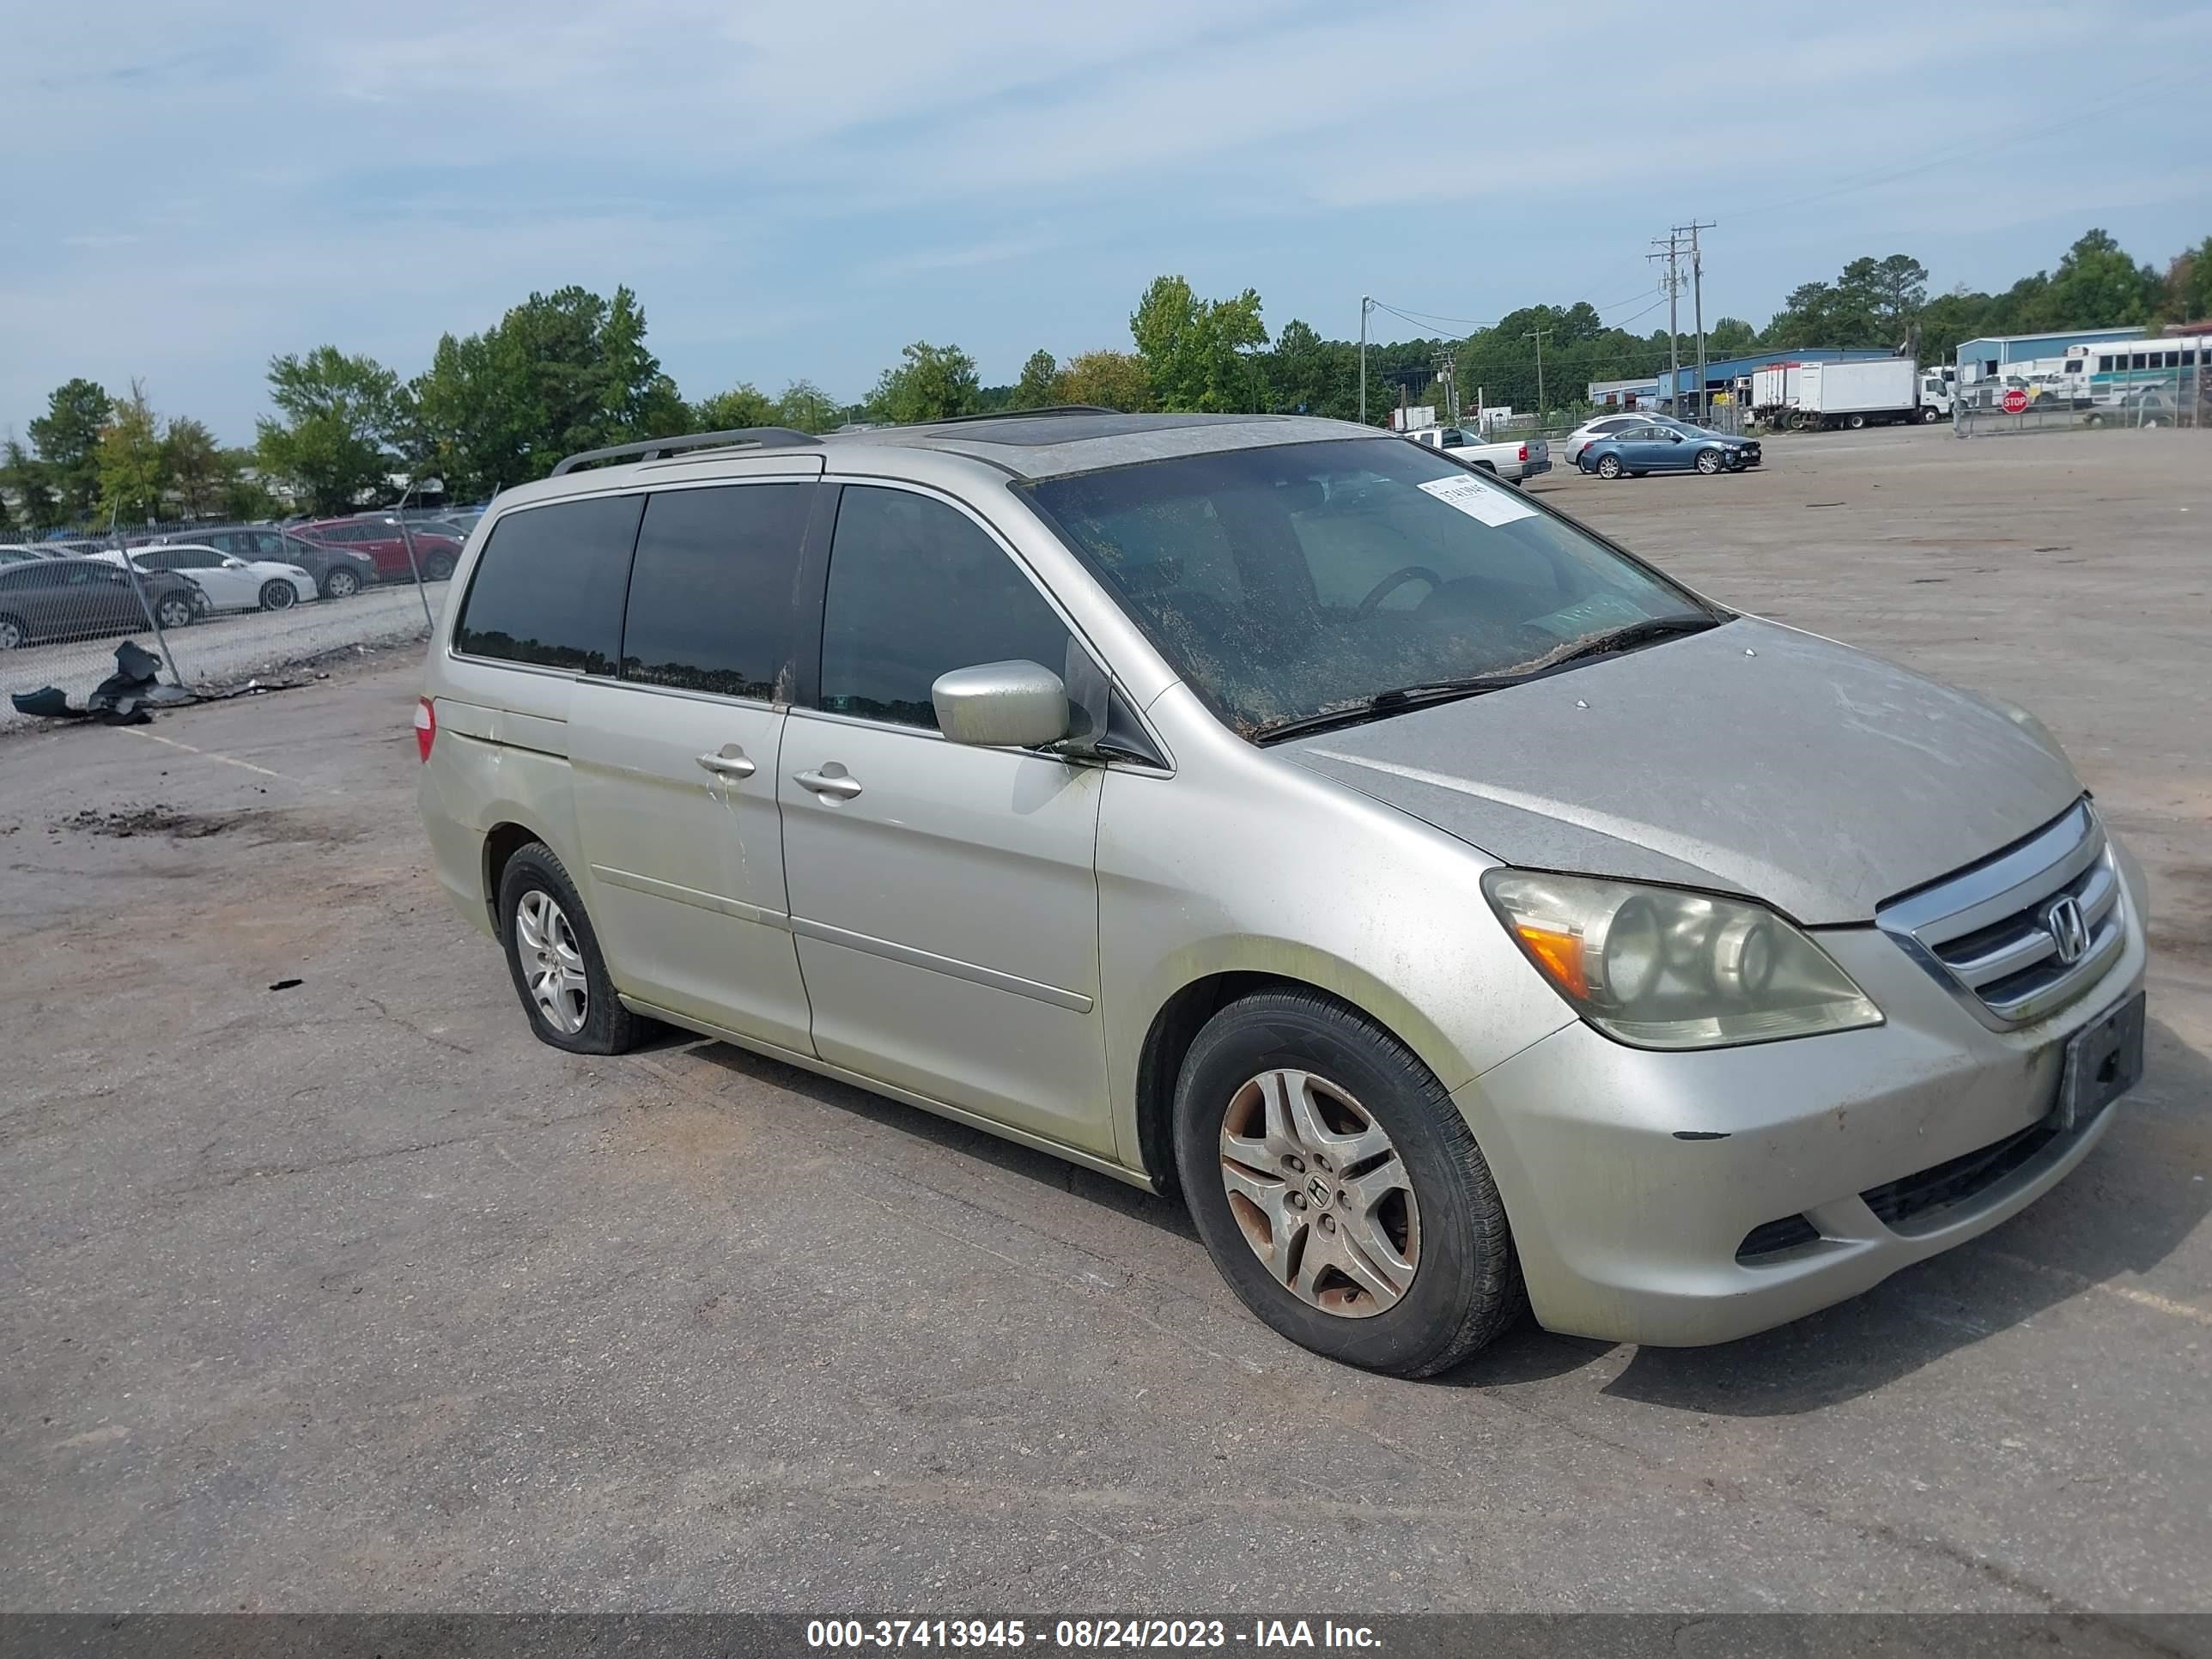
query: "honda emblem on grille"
2069, 929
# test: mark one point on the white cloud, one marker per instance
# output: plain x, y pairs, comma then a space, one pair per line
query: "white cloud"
799, 190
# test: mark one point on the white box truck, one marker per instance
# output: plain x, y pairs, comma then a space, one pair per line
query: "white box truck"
1774, 389
1873, 393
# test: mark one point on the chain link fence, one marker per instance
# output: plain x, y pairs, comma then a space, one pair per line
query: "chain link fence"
2175, 394
94, 617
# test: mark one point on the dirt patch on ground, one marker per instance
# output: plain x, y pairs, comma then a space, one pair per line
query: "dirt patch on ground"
156, 820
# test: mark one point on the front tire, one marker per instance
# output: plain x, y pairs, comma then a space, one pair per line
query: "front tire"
341, 584
277, 595
15, 634
553, 956
1608, 466
1338, 1188
176, 611
1710, 462
438, 568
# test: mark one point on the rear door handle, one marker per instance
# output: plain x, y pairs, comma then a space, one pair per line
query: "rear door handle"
731, 762
832, 780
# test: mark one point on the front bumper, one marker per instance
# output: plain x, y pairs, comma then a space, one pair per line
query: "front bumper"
1630, 1233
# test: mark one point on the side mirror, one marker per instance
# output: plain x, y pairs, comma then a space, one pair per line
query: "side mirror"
230, 563
1017, 705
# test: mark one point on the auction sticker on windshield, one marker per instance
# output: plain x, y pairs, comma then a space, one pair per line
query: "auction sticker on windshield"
1491, 503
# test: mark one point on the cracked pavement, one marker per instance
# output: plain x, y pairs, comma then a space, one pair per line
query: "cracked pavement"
351, 1296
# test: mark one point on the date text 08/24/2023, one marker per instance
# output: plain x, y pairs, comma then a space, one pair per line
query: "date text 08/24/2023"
1085, 1635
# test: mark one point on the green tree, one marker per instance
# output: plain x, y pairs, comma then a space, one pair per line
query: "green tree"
24, 477
244, 494
1035, 388
197, 470
743, 405
2098, 286
339, 416
806, 407
930, 383
1105, 379
133, 461
1731, 336
560, 372
66, 441
1193, 349
2188, 284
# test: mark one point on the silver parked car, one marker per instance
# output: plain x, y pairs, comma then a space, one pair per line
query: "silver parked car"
1458, 911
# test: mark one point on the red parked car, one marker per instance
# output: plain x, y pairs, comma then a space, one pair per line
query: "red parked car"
378, 535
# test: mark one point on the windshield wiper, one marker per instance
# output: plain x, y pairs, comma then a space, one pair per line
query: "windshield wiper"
1629, 638
1398, 698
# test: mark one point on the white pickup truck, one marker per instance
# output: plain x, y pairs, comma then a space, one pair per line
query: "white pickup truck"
1516, 461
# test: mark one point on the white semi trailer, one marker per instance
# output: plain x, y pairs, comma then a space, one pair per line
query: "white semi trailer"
1817, 395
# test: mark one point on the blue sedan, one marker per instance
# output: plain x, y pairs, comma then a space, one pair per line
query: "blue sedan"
1657, 448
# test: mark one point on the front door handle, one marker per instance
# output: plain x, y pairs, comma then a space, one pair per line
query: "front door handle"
730, 763
832, 780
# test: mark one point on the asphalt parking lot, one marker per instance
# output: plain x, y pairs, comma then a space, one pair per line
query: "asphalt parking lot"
348, 1295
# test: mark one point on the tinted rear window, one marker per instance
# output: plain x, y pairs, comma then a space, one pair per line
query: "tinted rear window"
549, 588
710, 591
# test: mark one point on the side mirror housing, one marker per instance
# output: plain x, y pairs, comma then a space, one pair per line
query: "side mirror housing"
993, 705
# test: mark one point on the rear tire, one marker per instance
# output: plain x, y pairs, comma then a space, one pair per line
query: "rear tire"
582, 1018
1855, 421
1448, 1263
1608, 466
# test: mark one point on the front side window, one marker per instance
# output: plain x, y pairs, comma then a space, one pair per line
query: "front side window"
1339, 570
916, 590
710, 589
549, 587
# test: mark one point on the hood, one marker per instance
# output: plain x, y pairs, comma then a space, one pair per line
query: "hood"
1752, 758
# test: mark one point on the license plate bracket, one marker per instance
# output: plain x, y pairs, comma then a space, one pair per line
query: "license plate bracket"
2104, 1060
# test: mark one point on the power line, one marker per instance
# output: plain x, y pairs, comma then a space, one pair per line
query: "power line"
2026, 132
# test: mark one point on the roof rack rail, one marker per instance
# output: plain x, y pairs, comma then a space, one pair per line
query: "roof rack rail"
1021, 413
653, 448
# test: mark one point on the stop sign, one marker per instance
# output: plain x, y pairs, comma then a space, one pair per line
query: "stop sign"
2015, 401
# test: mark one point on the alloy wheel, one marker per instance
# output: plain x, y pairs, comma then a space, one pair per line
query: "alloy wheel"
1321, 1194
552, 964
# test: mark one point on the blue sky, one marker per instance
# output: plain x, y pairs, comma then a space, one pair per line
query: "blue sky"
801, 189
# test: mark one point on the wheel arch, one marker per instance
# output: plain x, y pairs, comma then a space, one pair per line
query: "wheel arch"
501, 842
1176, 1021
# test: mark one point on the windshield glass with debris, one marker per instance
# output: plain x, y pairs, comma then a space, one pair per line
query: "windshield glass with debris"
1284, 582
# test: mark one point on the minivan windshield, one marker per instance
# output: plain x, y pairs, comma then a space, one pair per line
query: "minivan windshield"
1288, 583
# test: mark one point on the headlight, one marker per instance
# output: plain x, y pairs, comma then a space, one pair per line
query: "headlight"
1662, 969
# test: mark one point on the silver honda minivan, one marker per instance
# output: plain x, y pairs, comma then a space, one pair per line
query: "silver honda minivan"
1459, 913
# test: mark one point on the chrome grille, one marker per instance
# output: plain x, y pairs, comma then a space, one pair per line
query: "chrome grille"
1989, 931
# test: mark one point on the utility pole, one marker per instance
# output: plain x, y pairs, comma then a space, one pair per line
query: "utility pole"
1444, 362
1542, 407
1668, 248
1698, 303
1366, 305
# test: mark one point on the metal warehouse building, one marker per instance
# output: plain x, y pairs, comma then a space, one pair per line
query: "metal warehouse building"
1986, 360
1723, 373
